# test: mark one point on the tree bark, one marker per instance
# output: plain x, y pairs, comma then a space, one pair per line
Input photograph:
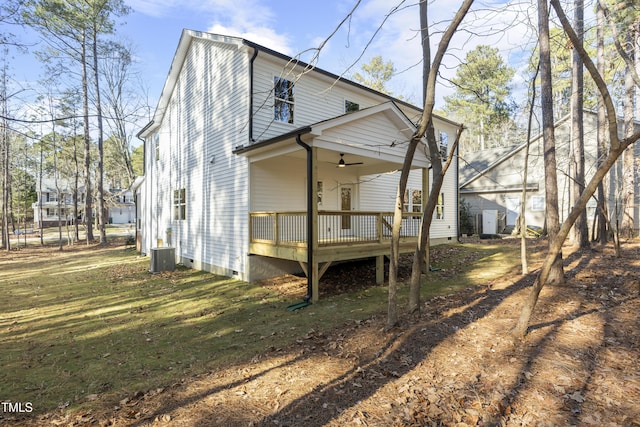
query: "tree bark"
580, 230
617, 148
602, 134
556, 275
102, 210
425, 120
88, 196
525, 173
628, 158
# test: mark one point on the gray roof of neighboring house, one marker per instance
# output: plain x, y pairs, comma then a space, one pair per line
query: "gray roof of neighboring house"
474, 164
49, 185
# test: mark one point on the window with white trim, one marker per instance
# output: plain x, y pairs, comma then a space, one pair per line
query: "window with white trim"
440, 207
179, 204
283, 91
156, 146
444, 144
413, 203
537, 203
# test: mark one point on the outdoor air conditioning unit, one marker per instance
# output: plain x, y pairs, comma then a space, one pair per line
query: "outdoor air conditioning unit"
162, 259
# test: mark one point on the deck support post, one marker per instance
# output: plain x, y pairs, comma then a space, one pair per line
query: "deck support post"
312, 219
380, 270
315, 280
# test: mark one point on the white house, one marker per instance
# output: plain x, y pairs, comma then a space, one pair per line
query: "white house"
257, 164
57, 196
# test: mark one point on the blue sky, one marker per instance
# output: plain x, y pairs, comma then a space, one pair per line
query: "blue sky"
291, 27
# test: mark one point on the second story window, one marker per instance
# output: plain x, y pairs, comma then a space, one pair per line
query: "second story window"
444, 144
283, 100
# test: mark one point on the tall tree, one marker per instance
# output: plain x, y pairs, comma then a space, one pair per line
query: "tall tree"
624, 20
482, 97
552, 214
73, 29
5, 156
122, 110
376, 74
601, 213
424, 124
616, 148
100, 15
65, 28
580, 230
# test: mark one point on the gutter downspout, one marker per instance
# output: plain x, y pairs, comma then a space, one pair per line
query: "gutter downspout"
144, 173
251, 61
135, 196
310, 230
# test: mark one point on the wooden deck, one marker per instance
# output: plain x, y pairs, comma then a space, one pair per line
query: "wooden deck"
341, 235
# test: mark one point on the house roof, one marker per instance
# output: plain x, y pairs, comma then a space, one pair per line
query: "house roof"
49, 185
183, 47
473, 165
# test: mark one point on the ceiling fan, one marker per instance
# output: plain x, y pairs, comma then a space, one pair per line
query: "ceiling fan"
342, 163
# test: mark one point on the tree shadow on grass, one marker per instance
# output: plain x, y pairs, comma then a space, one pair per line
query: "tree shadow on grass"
402, 352
412, 347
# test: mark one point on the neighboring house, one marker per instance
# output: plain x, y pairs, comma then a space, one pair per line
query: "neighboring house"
57, 198
491, 181
121, 206
257, 165
55, 201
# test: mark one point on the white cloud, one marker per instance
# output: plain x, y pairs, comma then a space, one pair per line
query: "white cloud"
250, 19
264, 36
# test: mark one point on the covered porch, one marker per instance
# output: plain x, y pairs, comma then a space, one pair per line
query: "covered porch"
326, 192
283, 235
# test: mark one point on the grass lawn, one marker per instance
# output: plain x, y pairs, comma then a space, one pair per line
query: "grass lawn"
89, 325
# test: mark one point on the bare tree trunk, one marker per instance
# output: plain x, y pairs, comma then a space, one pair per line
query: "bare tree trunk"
438, 170
88, 197
6, 176
602, 133
525, 174
551, 182
628, 158
420, 257
76, 183
429, 102
421, 252
617, 148
101, 205
40, 193
580, 230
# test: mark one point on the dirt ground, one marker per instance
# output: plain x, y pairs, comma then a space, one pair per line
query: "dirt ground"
455, 365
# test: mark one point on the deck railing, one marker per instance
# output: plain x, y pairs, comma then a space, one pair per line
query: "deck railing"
334, 227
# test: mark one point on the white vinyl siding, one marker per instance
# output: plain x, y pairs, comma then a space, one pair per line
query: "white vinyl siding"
196, 138
317, 98
377, 192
